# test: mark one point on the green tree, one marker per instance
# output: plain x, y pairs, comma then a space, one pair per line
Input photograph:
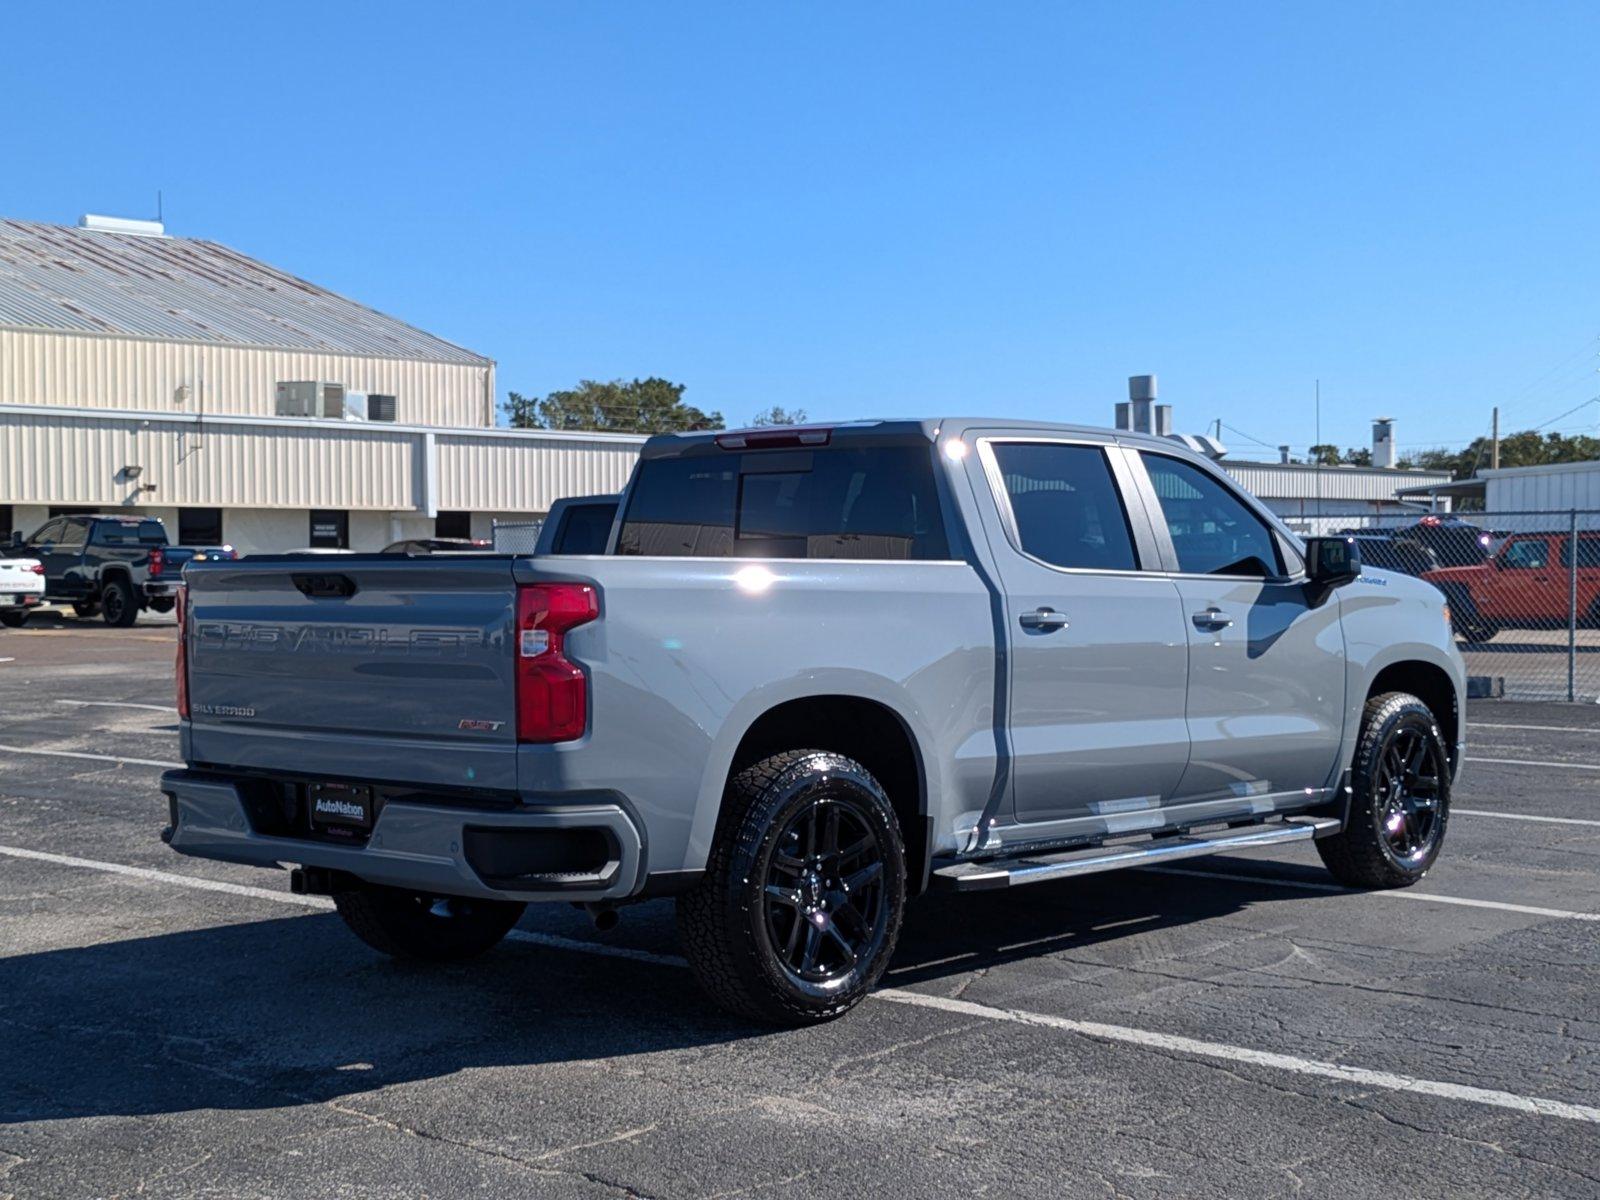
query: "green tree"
641, 406
1530, 448
1326, 453
522, 412
780, 416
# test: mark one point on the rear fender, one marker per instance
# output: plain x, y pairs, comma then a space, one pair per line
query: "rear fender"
834, 682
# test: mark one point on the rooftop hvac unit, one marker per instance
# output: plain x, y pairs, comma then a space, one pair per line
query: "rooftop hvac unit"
380, 408
355, 406
310, 398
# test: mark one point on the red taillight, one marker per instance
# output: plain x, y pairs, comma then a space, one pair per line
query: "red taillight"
158, 560
181, 666
37, 568
552, 691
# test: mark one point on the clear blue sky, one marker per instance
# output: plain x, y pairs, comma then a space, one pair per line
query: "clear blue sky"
884, 209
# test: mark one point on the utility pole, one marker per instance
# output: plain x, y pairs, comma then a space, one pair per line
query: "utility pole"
1494, 441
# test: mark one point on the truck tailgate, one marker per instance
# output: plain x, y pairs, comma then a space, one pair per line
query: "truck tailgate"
372, 667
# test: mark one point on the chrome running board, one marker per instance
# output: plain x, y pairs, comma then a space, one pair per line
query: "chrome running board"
1037, 868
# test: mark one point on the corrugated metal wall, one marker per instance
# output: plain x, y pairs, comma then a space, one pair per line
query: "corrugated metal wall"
1564, 488
524, 474
1278, 481
55, 458
91, 371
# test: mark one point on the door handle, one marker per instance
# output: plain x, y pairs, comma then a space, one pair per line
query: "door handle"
1043, 618
1211, 620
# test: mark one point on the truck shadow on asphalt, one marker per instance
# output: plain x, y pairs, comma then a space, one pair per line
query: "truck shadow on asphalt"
292, 1011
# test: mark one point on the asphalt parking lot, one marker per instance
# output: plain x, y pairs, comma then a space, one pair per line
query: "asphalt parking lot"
1232, 1027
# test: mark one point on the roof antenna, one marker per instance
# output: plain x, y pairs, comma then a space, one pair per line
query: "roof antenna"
158, 206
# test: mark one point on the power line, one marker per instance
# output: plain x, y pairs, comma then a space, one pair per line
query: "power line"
1568, 413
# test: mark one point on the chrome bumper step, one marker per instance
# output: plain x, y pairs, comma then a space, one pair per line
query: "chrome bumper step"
1037, 868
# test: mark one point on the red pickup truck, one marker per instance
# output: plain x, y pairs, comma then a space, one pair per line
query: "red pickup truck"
1525, 584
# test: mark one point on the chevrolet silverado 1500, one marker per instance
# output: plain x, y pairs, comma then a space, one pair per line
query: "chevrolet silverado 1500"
817, 672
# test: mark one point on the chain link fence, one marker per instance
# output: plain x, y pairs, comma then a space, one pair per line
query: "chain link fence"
516, 537
1523, 589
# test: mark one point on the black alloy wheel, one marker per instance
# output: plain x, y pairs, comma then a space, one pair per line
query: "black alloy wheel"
1408, 791
797, 914
1399, 806
825, 905
117, 604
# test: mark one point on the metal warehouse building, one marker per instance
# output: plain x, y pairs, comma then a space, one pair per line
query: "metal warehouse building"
183, 380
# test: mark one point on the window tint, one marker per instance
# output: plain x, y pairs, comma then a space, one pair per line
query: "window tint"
585, 529
1588, 551
73, 534
873, 502
1066, 506
1213, 531
1528, 554
129, 533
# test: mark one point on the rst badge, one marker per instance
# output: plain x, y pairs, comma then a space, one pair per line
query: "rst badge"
472, 725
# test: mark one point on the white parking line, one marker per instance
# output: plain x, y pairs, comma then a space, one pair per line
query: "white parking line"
160, 708
1531, 1105
110, 758
1536, 1106
280, 897
1505, 816
1471, 725
1382, 893
1536, 762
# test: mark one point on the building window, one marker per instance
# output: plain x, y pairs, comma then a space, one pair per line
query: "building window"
330, 529
199, 527
453, 525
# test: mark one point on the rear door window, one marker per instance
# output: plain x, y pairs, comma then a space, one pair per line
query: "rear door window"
1588, 552
1214, 532
1065, 504
872, 502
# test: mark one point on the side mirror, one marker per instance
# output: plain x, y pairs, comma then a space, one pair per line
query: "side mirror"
1331, 561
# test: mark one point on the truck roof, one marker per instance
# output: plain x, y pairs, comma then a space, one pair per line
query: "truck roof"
669, 445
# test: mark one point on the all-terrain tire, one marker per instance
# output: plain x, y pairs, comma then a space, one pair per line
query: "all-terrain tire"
1365, 853
731, 926
14, 618
412, 925
118, 605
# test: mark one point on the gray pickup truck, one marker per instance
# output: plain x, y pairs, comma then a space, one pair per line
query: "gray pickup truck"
817, 672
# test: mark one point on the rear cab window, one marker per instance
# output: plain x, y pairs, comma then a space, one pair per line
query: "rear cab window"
129, 533
585, 529
837, 502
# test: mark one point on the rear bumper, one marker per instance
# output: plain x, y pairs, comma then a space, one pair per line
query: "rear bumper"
19, 599
428, 848
162, 589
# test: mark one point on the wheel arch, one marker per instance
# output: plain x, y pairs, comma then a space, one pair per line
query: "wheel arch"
1431, 684
869, 731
